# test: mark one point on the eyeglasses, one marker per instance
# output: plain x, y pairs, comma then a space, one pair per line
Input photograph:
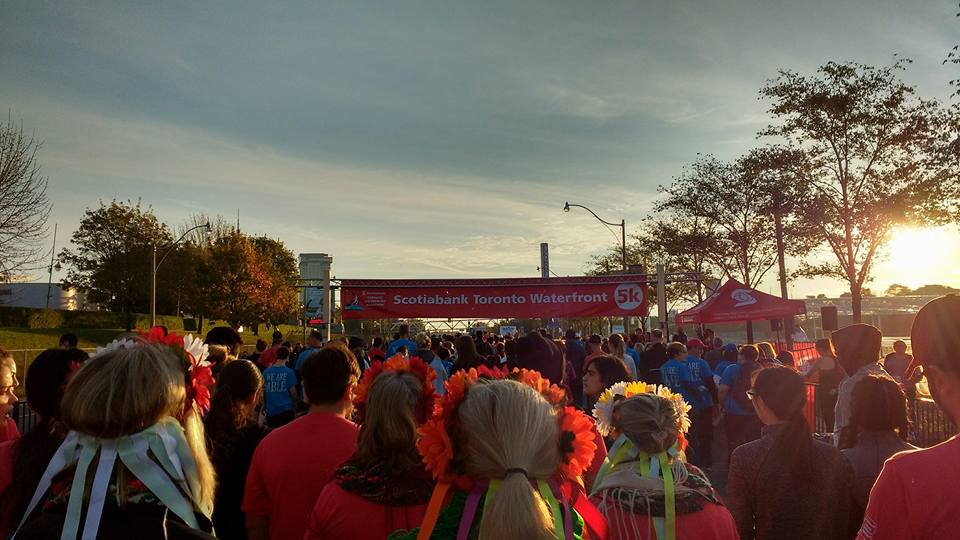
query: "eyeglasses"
751, 394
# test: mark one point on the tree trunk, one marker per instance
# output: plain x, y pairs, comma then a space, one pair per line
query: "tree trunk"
200, 325
749, 331
781, 260
856, 303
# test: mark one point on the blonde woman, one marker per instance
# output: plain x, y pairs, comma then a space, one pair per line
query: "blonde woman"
508, 447
635, 497
134, 463
618, 349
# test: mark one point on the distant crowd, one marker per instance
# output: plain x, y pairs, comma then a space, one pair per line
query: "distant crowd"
158, 435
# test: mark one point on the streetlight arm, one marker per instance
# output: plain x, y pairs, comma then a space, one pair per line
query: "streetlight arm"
594, 215
174, 244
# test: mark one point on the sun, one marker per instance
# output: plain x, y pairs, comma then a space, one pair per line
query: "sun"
921, 256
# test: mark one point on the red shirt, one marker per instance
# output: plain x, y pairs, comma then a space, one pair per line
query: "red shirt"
376, 354
714, 522
269, 357
291, 466
9, 431
340, 514
916, 496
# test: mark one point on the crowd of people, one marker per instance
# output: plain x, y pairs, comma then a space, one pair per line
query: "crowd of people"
463, 436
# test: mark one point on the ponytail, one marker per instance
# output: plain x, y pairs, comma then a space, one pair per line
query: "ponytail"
516, 510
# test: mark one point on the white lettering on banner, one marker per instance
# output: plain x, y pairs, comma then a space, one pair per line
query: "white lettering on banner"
631, 298
430, 300
577, 298
512, 299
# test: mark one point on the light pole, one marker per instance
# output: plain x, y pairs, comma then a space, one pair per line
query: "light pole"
623, 245
155, 264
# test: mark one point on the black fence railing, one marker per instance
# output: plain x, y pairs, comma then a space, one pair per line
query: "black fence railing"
23, 416
928, 424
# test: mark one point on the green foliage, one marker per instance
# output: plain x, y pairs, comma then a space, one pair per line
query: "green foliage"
873, 159
47, 318
111, 257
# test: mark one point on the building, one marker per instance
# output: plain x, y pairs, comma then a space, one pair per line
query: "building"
41, 296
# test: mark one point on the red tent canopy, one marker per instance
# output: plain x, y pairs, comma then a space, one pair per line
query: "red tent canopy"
735, 302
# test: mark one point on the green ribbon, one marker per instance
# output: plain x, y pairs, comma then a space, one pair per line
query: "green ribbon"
669, 497
554, 505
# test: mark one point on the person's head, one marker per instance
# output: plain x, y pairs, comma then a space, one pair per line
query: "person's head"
602, 372
404, 330
730, 355
656, 335
594, 344
403, 351
388, 434
46, 381
617, 346
378, 342
708, 334
423, 341
825, 348
717, 343
571, 335
226, 337
877, 404
778, 394
900, 346
356, 344
786, 358
261, 345
315, 339
767, 352
283, 354
509, 432
277, 337
145, 384
935, 340
329, 377
748, 354
857, 345
676, 350
680, 330
695, 347
466, 349
649, 421
239, 389
539, 354
8, 382
443, 353
68, 341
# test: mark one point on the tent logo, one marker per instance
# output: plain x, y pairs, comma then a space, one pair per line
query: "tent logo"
742, 297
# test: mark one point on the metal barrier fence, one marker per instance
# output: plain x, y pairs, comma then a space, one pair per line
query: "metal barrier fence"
928, 424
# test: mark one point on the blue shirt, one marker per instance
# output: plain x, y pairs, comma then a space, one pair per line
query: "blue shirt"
729, 378
687, 379
635, 355
397, 343
721, 367
304, 354
277, 382
442, 375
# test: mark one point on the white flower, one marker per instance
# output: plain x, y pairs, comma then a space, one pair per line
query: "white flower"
116, 345
195, 347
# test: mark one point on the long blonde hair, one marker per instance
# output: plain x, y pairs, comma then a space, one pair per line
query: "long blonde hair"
618, 347
507, 425
389, 431
125, 391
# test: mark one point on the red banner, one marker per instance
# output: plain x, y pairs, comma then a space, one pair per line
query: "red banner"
605, 296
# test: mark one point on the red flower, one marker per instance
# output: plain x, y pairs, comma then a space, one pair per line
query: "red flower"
201, 379
435, 446
158, 335
577, 442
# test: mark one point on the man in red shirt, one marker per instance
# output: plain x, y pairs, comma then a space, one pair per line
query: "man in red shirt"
293, 463
269, 356
915, 494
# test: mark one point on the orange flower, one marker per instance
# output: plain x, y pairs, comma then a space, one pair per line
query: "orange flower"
398, 362
551, 392
577, 442
435, 446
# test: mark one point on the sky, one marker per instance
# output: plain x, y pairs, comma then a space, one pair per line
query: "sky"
432, 139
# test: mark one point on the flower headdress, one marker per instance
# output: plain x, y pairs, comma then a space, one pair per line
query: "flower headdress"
192, 353
664, 465
437, 444
398, 362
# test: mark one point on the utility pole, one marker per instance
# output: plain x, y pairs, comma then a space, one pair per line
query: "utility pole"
53, 250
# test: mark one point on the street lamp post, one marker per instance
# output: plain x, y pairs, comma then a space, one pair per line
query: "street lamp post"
154, 265
623, 245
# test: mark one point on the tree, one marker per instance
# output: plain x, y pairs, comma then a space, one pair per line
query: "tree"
868, 141
935, 290
110, 260
280, 300
24, 207
897, 289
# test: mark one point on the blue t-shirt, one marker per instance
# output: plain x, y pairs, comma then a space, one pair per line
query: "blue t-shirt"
721, 367
635, 355
687, 379
397, 343
277, 382
304, 354
729, 378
